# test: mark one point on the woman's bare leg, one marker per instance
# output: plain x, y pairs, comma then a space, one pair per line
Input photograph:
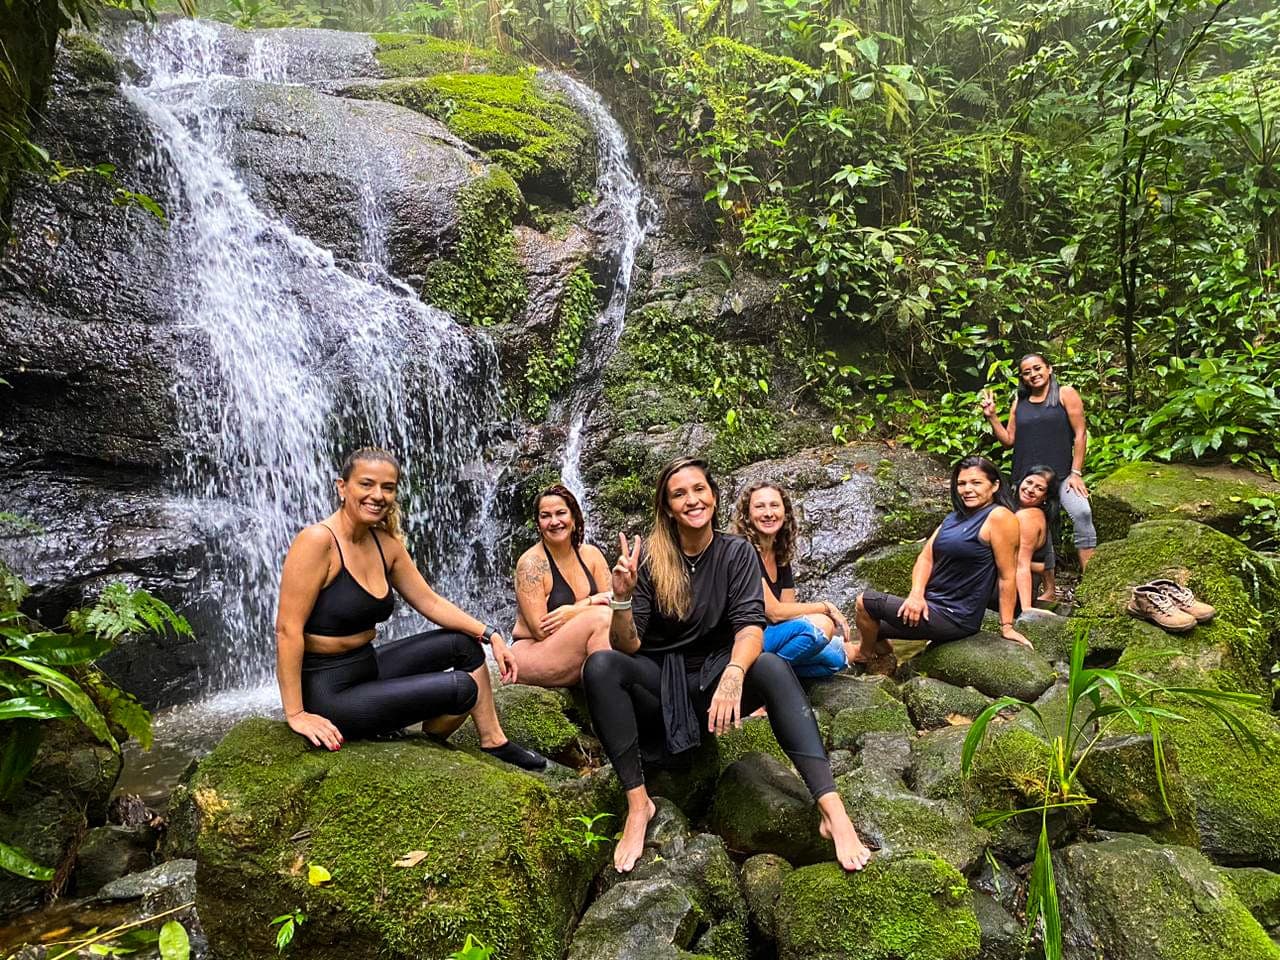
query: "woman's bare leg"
557, 661
851, 852
640, 811
443, 727
485, 713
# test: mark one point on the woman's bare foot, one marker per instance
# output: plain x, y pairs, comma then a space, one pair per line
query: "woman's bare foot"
631, 843
851, 852
1050, 596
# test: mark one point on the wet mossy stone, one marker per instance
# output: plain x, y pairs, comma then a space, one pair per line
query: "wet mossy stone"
1120, 774
762, 877
935, 764
503, 862
1009, 771
762, 806
988, 663
754, 736
419, 55
889, 815
934, 704
853, 724
843, 691
649, 918
1051, 634
1212, 495
1259, 890
87, 60
533, 717
888, 753
888, 569
1128, 898
1003, 938
906, 907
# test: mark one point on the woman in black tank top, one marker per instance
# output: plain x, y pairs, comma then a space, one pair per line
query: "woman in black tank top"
560, 589
334, 684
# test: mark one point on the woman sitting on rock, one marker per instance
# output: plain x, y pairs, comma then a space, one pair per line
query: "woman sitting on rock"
1037, 507
813, 637
340, 580
686, 633
973, 549
564, 613
1046, 425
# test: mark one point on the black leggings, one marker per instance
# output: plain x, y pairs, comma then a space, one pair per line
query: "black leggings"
373, 690
623, 694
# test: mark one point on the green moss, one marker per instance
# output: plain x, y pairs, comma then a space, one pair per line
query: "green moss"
418, 55
88, 59
897, 907
481, 281
542, 141
754, 736
532, 716
989, 664
546, 374
933, 703
1144, 491
889, 568
852, 724
498, 863
1258, 890
724, 941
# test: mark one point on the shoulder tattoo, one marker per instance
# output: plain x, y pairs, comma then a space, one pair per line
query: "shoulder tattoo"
531, 573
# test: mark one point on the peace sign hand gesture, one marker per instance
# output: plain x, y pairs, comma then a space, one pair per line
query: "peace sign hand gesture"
626, 569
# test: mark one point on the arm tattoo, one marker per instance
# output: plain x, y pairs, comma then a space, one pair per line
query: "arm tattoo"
730, 683
529, 575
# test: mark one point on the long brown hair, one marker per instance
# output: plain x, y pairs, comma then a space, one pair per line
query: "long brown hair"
570, 501
663, 557
391, 522
784, 541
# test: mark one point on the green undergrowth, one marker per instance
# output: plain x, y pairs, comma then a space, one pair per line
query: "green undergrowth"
420, 55
549, 372
534, 134
481, 281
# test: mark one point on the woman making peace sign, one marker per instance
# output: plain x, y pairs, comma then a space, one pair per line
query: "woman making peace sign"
686, 635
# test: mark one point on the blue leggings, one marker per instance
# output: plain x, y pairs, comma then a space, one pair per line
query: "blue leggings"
806, 647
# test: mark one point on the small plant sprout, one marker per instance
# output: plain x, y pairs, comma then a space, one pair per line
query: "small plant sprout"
288, 924
473, 949
588, 839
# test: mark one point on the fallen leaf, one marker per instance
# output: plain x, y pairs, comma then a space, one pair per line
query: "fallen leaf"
317, 875
410, 859
959, 719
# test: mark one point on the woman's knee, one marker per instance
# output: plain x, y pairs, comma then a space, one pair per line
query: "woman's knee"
769, 667
468, 655
859, 608
604, 667
823, 623
465, 693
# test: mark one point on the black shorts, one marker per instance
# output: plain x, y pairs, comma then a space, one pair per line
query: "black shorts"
884, 607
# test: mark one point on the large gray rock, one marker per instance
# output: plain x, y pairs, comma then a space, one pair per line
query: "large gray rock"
109, 853
762, 877
933, 703
762, 806
989, 664
643, 919
1131, 899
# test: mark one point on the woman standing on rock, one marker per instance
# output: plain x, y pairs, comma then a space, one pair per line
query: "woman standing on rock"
974, 549
1036, 510
812, 637
564, 613
1046, 426
339, 582
686, 634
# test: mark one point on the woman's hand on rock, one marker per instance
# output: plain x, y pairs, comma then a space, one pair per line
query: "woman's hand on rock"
508, 669
317, 729
726, 703
912, 609
627, 569
557, 618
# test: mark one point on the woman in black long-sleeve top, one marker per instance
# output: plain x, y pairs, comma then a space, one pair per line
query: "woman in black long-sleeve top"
687, 633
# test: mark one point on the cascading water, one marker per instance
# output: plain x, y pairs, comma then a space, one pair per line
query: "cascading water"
624, 213
293, 357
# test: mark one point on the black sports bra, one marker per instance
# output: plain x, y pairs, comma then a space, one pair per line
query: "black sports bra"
561, 593
343, 607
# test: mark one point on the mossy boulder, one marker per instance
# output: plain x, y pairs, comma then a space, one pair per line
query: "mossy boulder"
1231, 652
1212, 495
421, 55
1008, 773
933, 703
754, 736
502, 859
762, 806
533, 717
762, 877
935, 764
907, 907
1130, 899
830, 695
888, 569
988, 663
1259, 890
522, 125
852, 724
887, 752
1120, 774
637, 919
886, 813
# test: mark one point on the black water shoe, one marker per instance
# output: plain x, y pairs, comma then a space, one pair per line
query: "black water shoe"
520, 756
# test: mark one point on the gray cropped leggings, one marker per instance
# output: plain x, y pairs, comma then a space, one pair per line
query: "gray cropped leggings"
1081, 514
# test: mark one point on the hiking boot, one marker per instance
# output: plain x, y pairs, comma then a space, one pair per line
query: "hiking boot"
1153, 604
1184, 600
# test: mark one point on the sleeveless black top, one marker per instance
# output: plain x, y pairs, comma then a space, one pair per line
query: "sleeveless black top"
786, 579
343, 607
1043, 436
964, 569
561, 593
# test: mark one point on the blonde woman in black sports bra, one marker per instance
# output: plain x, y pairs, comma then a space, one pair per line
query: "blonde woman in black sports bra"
561, 586
339, 582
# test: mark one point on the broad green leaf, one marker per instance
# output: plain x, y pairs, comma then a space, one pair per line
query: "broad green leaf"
15, 861
174, 942
34, 708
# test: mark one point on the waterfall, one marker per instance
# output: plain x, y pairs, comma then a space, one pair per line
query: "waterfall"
290, 357
625, 213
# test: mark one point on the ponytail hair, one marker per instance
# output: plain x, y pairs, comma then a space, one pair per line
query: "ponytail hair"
662, 558
391, 522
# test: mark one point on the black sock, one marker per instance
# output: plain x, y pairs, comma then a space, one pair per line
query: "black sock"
520, 756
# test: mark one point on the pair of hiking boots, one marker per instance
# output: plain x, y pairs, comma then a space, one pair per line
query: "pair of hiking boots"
1169, 605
